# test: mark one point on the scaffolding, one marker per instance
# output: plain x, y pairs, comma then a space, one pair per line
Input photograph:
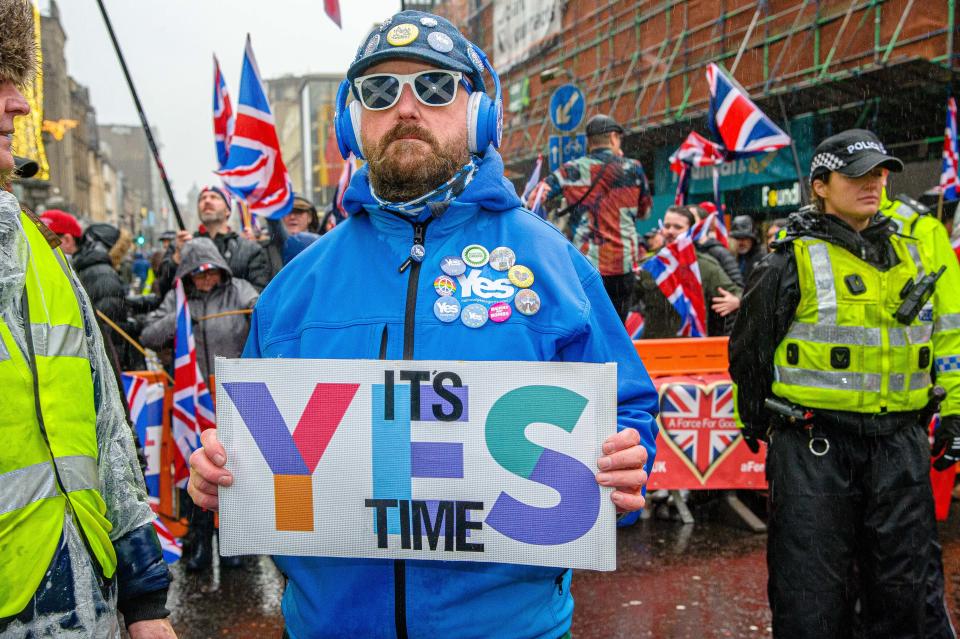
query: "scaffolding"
644, 62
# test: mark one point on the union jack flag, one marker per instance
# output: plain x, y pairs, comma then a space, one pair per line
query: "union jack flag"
950, 171
955, 243
742, 128
223, 121
255, 171
171, 546
677, 273
332, 9
145, 400
192, 404
634, 324
696, 150
712, 221
534, 178
699, 422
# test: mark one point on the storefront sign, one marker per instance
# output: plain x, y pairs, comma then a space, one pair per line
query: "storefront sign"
699, 446
520, 26
418, 460
774, 198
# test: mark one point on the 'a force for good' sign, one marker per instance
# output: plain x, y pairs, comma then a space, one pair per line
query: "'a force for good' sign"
471, 461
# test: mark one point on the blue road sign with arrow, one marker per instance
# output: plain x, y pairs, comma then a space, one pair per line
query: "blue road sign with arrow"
556, 153
567, 107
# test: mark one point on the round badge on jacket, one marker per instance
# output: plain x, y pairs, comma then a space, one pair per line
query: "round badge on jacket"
453, 266
447, 309
502, 258
476, 256
445, 286
520, 276
474, 315
527, 301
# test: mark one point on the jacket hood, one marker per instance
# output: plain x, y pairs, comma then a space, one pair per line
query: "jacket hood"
199, 251
870, 244
489, 189
18, 47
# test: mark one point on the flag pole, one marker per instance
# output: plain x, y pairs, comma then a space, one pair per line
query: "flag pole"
143, 116
804, 196
940, 205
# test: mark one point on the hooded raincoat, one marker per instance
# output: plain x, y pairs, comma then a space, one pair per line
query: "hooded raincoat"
74, 604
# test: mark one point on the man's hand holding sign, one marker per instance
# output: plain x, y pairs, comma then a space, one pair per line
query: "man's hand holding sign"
359, 477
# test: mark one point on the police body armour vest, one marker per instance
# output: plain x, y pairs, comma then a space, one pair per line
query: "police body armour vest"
845, 350
48, 457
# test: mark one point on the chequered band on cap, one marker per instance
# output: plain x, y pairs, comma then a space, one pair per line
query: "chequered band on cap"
827, 160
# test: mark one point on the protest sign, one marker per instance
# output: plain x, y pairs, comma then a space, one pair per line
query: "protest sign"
471, 461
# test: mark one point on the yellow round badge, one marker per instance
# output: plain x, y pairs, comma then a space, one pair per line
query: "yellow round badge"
402, 34
520, 276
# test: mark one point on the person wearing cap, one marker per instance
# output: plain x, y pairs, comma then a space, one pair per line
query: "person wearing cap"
246, 258
214, 296
744, 231
66, 227
834, 359
78, 542
432, 188
772, 232
604, 193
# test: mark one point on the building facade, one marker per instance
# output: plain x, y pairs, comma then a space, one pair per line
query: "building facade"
814, 67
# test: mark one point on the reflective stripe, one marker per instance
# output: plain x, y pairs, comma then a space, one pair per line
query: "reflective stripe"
23, 486
832, 334
917, 334
823, 277
948, 322
78, 472
62, 340
920, 380
4, 353
915, 254
832, 380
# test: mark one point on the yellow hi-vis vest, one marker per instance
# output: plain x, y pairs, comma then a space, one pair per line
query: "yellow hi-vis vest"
48, 455
845, 350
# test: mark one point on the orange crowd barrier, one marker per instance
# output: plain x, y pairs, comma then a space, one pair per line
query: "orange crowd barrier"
702, 356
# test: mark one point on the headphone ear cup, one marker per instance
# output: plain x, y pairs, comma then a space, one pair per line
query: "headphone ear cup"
480, 110
355, 139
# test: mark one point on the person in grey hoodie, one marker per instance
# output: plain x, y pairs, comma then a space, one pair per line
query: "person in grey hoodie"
213, 296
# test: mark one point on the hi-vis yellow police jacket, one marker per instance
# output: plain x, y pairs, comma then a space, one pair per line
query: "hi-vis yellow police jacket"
846, 351
48, 456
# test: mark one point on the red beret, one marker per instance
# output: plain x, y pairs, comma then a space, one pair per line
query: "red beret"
61, 223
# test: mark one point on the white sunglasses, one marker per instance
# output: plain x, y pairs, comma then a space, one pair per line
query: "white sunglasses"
380, 91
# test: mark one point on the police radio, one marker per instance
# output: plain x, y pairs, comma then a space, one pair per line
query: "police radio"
915, 295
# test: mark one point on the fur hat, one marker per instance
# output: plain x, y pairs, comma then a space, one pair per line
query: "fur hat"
18, 45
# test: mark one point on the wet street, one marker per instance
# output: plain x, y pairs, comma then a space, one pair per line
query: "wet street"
701, 581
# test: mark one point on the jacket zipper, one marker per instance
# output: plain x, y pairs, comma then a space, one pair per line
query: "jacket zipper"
413, 280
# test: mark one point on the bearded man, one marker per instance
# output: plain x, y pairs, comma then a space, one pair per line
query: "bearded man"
432, 203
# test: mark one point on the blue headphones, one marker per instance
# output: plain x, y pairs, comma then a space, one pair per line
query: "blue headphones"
484, 117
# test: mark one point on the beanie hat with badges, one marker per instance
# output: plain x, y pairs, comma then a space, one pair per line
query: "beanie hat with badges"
434, 40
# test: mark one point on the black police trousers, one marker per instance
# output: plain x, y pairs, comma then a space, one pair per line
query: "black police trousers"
855, 524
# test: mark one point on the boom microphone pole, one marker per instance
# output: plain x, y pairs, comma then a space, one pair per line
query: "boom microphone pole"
143, 117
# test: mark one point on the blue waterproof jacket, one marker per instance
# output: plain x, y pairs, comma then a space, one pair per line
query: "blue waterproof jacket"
344, 297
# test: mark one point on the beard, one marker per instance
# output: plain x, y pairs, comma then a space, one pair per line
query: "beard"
404, 172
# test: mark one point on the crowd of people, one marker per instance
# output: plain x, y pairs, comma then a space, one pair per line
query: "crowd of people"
838, 340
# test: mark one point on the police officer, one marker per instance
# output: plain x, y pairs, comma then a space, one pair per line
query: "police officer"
834, 355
